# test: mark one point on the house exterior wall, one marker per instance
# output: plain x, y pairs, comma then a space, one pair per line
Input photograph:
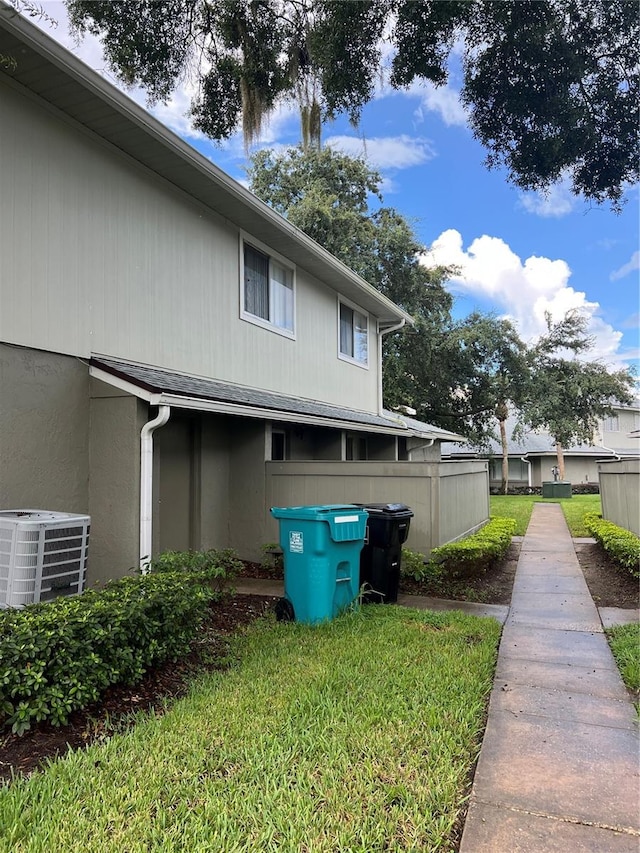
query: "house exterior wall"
44, 431
100, 255
620, 493
449, 499
614, 432
114, 482
583, 469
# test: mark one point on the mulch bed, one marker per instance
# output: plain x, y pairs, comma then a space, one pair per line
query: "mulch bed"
609, 586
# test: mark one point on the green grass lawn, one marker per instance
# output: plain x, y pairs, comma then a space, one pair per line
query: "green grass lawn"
625, 645
356, 735
520, 507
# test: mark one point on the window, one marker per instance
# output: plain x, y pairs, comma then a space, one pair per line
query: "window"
278, 445
353, 334
267, 296
611, 424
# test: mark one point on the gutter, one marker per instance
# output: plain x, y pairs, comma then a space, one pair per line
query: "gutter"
385, 331
146, 484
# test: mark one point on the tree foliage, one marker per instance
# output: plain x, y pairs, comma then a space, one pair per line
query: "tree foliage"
551, 86
567, 396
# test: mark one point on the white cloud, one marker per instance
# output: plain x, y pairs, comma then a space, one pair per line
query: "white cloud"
625, 269
390, 152
557, 201
522, 290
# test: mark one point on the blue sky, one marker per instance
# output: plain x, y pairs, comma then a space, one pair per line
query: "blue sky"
519, 253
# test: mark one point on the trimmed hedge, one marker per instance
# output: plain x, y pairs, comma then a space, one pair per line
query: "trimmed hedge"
58, 657
475, 553
622, 545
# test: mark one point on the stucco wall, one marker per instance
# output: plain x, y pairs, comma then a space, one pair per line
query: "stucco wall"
114, 492
44, 431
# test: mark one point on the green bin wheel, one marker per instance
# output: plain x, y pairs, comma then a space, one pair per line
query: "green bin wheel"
284, 610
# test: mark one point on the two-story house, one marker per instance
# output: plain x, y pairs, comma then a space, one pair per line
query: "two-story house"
175, 357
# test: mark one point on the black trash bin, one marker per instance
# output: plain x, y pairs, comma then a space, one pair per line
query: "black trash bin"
387, 529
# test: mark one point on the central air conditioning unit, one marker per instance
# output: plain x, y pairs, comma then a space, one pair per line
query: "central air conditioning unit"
43, 555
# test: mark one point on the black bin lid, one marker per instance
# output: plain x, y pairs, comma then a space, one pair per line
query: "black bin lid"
388, 509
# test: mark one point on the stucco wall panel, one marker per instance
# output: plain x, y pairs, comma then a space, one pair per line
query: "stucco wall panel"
114, 497
44, 429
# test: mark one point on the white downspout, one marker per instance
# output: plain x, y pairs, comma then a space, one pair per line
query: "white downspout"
146, 484
382, 332
529, 475
428, 443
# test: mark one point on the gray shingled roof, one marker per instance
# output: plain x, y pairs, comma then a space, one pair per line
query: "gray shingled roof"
157, 380
531, 444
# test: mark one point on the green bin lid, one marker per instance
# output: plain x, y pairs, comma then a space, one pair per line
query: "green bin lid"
322, 511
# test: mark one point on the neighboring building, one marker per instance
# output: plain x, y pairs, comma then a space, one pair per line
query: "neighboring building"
533, 457
168, 343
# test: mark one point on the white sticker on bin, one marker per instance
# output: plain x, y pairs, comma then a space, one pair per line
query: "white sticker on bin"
296, 542
342, 519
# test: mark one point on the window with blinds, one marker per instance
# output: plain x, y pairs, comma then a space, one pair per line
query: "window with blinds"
268, 291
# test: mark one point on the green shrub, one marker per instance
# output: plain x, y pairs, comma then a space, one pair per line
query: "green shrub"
214, 566
414, 566
622, 545
475, 553
58, 657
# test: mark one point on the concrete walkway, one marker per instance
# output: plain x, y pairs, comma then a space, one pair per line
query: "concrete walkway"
559, 765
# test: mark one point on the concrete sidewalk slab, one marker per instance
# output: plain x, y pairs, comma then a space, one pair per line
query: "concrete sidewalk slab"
559, 584
559, 676
613, 616
559, 767
571, 706
567, 647
503, 830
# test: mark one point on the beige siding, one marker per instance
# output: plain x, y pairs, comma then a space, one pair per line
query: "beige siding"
620, 491
99, 255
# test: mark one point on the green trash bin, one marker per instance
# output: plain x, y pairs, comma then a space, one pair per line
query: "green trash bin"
321, 547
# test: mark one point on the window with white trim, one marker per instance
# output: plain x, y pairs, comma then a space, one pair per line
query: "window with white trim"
267, 291
611, 424
353, 334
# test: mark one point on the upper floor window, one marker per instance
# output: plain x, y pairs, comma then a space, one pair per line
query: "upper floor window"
268, 291
611, 424
353, 333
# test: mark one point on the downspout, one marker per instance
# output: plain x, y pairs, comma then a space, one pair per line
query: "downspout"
382, 332
529, 475
146, 484
428, 443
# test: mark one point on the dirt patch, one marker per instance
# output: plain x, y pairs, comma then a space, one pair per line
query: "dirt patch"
609, 584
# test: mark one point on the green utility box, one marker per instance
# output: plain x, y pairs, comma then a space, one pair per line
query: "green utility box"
555, 489
321, 547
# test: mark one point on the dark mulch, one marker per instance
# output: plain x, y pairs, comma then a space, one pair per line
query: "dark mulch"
609, 585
